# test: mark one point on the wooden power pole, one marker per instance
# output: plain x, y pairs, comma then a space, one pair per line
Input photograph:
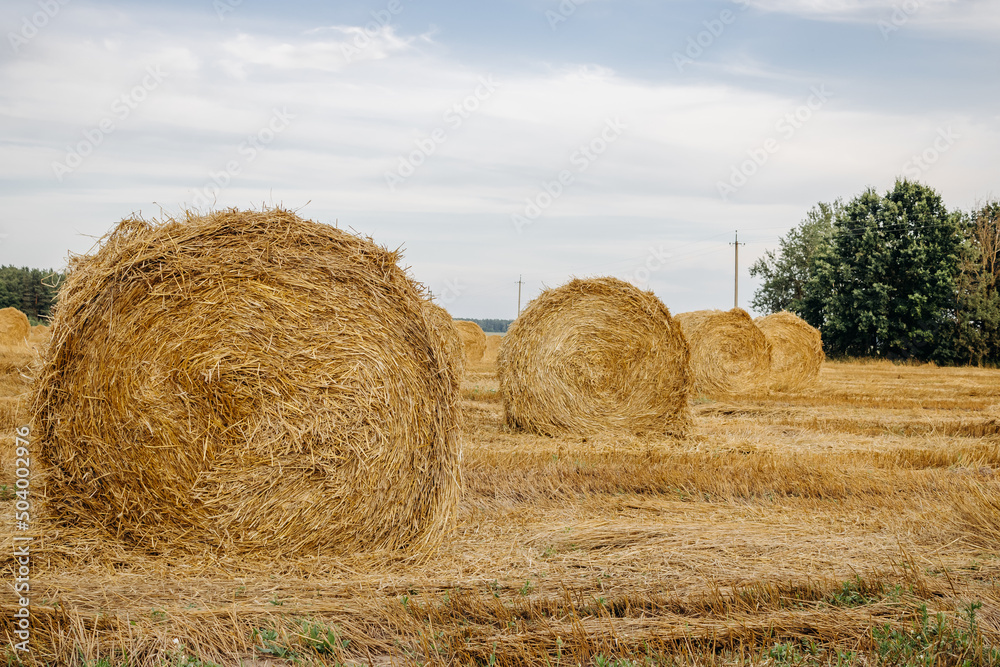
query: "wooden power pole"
736, 274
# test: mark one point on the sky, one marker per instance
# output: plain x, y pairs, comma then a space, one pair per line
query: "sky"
532, 140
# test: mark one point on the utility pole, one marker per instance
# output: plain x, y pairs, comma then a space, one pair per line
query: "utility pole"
519, 283
736, 274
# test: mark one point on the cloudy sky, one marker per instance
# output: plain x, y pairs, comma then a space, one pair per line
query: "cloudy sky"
492, 140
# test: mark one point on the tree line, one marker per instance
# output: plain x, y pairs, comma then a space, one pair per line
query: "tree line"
897, 276
490, 325
32, 291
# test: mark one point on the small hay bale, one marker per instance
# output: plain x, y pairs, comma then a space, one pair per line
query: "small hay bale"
250, 383
473, 340
730, 356
493, 342
14, 327
796, 350
441, 322
39, 335
593, 356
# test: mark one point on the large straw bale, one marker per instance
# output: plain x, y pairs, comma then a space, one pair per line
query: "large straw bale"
443, 325
730, 356
473, 340
493, 342
247, 382
592, 356
796, 350
14, 327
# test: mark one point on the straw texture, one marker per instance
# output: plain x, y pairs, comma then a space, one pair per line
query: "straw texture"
443, 325
473, 340
595, 355
796, 350
14, 327
492, 348
250, 382
729, 354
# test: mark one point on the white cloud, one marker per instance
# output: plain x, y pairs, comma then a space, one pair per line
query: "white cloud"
942, 16
353, 44
354, 118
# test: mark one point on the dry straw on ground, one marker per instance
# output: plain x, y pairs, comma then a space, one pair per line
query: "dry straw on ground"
796, 350
729, 354
251, 382
493, 342
473, 340
443, 325
595, 355
14, 327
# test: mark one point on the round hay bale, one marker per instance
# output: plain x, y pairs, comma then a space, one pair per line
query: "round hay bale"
250, 383
39, 333
592, 356
796, 350
493, 342
14, 327
729, 355
473, 340
441, 322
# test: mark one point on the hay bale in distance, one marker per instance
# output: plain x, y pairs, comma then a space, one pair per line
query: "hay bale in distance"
443, 325
493, 342
730, 356
592, 356
249, 383
473, 340
14, 327
796, 350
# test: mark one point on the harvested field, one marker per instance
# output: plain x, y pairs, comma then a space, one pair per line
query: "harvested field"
852, 523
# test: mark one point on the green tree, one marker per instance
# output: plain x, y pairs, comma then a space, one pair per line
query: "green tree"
786, 272
32, 291
976, 329
886, 284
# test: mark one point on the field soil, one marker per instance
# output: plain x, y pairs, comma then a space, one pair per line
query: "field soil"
853, 523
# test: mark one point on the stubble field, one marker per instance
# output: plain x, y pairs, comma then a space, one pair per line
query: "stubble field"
856, 523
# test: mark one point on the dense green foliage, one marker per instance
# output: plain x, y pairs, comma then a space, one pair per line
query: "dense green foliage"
32, 291
895, 275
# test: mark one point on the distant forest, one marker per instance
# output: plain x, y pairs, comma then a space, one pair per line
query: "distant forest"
489, 326
32, 291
